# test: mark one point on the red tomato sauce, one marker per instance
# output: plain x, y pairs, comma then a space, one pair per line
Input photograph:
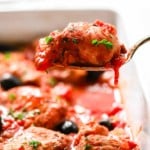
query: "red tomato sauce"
97, 101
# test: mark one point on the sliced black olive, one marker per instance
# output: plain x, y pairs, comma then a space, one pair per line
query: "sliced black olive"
67, 127
107, 124
1, 125
93, 76
8, 81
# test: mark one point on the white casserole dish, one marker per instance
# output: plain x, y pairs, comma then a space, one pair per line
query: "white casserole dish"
24, 26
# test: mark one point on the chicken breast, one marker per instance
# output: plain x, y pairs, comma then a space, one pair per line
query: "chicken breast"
79, 44
97, 137
37, 138
26, 100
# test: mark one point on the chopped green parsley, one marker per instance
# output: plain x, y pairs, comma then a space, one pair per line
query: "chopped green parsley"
19, 116
7, 55
11, 96
16, 115
87, 147
94, 42
52, 81
34, 144
48, 39
105, 42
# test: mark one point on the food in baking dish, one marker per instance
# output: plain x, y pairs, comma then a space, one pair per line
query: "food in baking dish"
60, 110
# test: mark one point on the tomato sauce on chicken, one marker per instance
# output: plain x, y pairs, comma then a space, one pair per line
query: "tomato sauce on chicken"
82, 44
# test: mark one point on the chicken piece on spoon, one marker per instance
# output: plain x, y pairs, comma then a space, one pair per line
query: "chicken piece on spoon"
80, 44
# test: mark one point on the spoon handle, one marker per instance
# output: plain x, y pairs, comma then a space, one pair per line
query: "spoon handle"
135, 47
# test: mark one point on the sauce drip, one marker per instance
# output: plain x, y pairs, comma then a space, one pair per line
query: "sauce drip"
117, 63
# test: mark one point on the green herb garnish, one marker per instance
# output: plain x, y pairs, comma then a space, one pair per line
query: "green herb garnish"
48, 39
19, 116
52, 81
94, 42
87, 147
16, 115
7, 55
105, 42
34, 144
12, 96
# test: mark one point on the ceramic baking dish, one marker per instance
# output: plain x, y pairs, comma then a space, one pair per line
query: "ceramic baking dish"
25, 26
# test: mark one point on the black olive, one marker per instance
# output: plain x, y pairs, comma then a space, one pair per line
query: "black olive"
93, 76
67, 127
8, 81
1, 125
107, 124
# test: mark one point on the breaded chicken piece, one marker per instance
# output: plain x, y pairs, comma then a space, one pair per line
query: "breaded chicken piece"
79, 44
37, 138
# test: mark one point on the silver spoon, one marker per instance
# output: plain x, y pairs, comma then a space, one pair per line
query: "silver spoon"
135, 47
129, 56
